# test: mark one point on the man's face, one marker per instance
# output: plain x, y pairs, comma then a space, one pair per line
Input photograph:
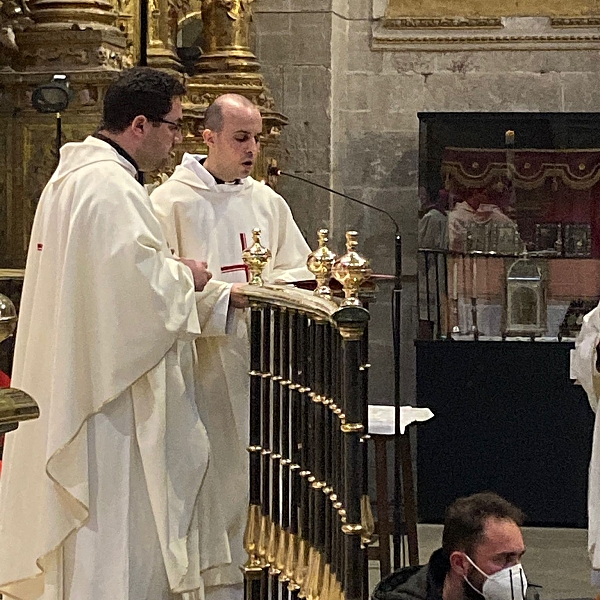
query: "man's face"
502, 546
160, 139
233, 150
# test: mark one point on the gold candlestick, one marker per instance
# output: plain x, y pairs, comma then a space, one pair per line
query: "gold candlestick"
320, 263
351, 270
255, 258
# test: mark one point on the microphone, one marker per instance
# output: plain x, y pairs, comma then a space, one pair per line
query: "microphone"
274, 171
399, 440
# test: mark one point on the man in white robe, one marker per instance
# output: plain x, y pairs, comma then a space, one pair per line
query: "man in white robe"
585, 364
208, 209
108, 494
475, 210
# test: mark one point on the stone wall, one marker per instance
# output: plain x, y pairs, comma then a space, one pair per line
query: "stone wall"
353, 119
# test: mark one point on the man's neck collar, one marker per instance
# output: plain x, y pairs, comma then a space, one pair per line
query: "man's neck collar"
121, 151
218, 180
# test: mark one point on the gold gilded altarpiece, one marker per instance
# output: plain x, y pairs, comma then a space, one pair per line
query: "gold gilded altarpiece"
91, 41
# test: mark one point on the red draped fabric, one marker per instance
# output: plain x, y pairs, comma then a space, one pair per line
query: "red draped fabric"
539, 186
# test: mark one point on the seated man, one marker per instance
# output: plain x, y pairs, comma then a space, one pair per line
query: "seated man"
480, 557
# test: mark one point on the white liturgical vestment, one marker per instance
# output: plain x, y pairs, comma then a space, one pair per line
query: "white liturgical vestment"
583, 367
108, 494
213, 222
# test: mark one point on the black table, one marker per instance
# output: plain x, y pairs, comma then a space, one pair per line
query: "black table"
507, 419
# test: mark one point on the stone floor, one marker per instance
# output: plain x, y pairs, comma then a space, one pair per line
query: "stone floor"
556, 559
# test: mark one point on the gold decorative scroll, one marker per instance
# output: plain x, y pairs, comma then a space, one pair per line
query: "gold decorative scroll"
582, 173
484, 8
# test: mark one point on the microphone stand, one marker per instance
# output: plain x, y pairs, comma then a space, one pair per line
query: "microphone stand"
405, 510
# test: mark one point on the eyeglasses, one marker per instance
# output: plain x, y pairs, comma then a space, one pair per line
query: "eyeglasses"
174, 126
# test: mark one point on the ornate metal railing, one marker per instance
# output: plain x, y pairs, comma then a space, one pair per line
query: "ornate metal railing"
309, 516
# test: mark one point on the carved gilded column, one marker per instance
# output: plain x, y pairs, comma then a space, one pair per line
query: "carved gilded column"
226, 38
227, 65
163, 16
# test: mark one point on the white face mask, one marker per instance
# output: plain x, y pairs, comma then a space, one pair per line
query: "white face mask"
507, 584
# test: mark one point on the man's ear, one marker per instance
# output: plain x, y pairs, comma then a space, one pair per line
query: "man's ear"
208, 136
138, 124
459, 563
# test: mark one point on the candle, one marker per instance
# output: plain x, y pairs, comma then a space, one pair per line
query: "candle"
509, 138
455, 281
474, 277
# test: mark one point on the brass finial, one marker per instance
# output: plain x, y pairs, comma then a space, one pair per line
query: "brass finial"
8, 317
254, 564
351, 270
319, 263
255, 258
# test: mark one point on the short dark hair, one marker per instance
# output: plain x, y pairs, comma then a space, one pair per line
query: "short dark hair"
213, 117
466, 519
139, 91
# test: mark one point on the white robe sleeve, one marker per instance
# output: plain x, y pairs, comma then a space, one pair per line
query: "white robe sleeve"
178, 226
583, 364
213, 308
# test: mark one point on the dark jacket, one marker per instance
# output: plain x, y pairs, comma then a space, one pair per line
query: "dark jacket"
424, 583
415, 583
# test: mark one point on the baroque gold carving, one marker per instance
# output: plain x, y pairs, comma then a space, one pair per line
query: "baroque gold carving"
14, 16
93, 40
76, 57
227, 27
236, 8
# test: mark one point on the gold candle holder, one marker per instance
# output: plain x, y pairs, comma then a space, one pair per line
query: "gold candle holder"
351, 270
320, 263
255, 258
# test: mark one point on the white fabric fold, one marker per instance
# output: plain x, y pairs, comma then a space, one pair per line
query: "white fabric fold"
208, 221
106, 314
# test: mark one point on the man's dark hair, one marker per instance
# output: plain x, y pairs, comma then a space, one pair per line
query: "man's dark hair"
139, 91
213, 117
466, 519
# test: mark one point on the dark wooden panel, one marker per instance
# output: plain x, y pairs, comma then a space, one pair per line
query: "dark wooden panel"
507, 419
